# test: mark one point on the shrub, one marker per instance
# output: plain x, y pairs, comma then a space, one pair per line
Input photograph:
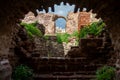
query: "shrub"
83, 32
76, 34
59, 38
63, 37
105, 73
22, 72
46, 37
94, 29
32, 30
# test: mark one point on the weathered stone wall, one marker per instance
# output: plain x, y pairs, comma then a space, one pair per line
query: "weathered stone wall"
29, 18
83, 19
24, 47
6, 40
5, 69
72, 22
48, 21
76, 20
48, 47
42, 18
4, 48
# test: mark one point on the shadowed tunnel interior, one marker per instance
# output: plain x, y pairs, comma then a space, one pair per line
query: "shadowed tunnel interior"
12, 11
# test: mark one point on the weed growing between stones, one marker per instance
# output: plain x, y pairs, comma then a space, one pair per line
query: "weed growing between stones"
32, 30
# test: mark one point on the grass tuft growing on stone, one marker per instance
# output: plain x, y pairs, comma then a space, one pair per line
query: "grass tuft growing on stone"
32, 30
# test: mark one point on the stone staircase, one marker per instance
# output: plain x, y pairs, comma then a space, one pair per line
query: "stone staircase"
60, 68
80, 63
80, 67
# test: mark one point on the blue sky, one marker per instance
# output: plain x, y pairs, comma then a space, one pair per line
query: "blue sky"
62, 10
60, 23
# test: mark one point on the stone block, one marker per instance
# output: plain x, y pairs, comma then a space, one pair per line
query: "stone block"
90, 46
5, 70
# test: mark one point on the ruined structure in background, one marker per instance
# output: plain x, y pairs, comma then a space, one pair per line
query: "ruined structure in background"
47, 19
29, 18
86, 18
83, 19
74, 21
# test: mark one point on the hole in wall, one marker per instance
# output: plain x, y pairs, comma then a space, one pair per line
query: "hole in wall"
60, 25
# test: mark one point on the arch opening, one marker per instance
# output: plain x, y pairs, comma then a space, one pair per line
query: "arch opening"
60, 25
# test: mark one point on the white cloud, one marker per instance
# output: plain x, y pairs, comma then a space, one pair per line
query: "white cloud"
60, 12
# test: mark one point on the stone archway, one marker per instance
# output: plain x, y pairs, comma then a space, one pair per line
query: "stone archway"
60, 25
12, 11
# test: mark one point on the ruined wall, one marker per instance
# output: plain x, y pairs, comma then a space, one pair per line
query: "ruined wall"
93, 17
4, 49
76, 20
48, 47
72, 22
48, 21
83, 19
29, 18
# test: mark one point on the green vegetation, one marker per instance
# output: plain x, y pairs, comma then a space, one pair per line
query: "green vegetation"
62, 37
105, 73
22, 72
83, 32
46, 37
32, 30
76, 34
94, 29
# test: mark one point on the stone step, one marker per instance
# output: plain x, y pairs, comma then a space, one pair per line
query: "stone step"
63, 77
63, 68
60, 64
65, 61
70, 73
77, 72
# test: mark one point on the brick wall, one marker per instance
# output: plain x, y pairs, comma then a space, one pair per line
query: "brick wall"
84, 19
